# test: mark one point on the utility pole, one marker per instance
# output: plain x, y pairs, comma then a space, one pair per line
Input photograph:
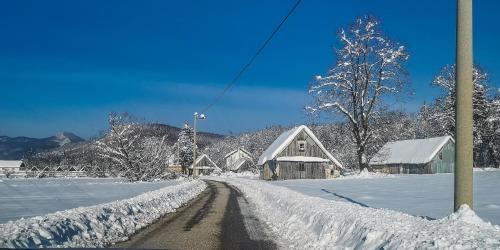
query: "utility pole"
464, 108
196, 117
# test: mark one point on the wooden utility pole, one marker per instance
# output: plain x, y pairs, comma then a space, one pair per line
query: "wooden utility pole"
464, 108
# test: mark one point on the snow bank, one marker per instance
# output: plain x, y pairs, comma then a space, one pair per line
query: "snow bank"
100, 225
485, 169
365, 174
244, 174
304, 222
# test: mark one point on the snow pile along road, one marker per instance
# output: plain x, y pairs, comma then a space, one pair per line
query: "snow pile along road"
304, 222
100, 225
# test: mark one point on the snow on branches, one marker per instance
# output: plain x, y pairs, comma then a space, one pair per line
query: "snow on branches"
135, 155
369, 65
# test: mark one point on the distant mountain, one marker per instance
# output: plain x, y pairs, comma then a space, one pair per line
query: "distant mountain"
203, 138
14, 148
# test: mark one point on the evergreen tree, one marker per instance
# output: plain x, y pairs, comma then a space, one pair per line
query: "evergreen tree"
185, 144
443, 112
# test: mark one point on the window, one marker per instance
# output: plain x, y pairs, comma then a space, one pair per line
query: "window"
302, 145
301, 166
440, 155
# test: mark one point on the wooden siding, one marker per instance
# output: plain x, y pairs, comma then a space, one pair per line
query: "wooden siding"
291, 169
438, 164
446, 164
311, 148
311, 170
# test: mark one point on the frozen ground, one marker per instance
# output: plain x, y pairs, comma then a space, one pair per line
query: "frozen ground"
421, 195
99, 225
32, 197
300, 221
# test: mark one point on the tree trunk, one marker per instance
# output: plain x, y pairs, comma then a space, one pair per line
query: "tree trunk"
361, 163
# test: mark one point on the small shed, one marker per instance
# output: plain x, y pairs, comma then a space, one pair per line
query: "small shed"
297, 154
204, 165
238, 160
418, 156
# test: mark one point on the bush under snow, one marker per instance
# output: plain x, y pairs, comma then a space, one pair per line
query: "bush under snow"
305, 222
100, 225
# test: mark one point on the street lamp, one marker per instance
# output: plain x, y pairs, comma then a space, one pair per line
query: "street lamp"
196, 118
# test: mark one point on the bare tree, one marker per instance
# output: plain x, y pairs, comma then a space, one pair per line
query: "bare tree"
136, 155
369, 66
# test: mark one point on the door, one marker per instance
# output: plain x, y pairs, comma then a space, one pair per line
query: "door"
302, 170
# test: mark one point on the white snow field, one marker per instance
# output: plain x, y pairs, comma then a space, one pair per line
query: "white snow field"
419, 195
99, 225
302, 221
23, 198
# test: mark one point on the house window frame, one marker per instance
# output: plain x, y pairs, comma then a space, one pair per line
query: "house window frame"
441, 155
301, 145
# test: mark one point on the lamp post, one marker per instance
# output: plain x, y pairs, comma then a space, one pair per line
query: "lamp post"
196, 117
463, 108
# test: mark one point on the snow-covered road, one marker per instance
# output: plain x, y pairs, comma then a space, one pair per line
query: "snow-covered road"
24, 198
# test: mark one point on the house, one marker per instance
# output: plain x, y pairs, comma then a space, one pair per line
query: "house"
238, 160
420, 156
7, 166
204, 166
297, 154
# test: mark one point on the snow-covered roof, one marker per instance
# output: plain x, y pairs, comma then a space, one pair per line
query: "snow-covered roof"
302, 159
10, 164
286, 138
418, 151
239, 163
236, 150
214, 166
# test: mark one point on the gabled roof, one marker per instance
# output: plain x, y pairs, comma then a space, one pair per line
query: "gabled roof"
201, 157
236, 150
286, 138
418, 151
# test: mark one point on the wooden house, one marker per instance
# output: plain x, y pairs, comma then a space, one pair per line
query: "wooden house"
297, 154
239, 160
204, 166
419, 156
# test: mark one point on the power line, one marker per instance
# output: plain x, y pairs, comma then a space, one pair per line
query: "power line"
252, 59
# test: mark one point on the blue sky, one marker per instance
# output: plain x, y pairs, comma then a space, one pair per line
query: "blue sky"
64, 65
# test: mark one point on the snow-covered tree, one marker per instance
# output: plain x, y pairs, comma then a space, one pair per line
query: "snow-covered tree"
185, 145
443, 113
135, 155
493, 131
369, 66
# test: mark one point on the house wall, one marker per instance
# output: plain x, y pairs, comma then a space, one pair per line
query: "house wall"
291, 170
446, 163
311, 148
204, 162
234, 158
